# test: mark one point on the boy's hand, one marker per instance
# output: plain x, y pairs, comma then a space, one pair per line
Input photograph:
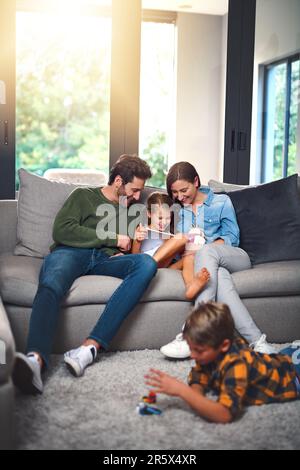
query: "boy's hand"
164, 383
140, 233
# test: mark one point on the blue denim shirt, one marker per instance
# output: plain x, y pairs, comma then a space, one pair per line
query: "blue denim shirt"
216, 216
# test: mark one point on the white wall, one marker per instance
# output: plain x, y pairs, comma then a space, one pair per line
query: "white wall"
277, 35
201, 93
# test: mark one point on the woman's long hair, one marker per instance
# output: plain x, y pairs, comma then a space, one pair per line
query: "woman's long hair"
181, 171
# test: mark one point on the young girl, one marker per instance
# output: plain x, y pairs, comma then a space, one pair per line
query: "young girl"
157, 241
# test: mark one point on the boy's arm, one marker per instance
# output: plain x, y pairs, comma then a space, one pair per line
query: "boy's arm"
208, 409
198, 388
233, 385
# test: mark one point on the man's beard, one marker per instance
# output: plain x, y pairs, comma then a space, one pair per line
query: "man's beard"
124, 200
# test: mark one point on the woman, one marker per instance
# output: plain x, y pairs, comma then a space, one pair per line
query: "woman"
221, 255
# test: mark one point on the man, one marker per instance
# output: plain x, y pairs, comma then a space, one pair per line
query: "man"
83, 246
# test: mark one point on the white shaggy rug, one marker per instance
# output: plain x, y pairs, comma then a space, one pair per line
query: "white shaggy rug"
98, 411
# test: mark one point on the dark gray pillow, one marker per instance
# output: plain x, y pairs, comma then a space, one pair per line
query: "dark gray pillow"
269, 219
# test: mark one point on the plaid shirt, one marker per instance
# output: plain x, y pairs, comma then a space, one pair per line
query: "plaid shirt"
242, 377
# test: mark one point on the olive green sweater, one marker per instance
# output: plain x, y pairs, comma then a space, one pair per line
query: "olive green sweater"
78, 223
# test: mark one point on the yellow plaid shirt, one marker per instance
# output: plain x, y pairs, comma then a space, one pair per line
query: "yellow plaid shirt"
242, 377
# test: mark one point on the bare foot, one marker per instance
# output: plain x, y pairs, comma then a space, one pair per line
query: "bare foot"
200, 280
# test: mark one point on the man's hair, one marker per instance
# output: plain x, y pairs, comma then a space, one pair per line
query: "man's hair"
128, 167
209, 324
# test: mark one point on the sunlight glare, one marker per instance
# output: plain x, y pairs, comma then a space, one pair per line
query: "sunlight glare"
73, 7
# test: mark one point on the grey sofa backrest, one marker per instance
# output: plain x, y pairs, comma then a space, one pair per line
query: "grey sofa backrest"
8, 220
9, 217
218, 186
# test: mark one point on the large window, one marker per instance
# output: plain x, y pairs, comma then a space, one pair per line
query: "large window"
63, 89
157, 98
281, 117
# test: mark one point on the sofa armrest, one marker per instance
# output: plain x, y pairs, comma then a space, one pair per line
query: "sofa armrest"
7, 346
8, 221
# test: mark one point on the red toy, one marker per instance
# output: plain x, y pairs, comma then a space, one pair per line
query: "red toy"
150, 398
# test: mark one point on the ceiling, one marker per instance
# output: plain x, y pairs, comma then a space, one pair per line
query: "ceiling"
208, 7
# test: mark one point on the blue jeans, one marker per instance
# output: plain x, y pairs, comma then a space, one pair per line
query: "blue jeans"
59, 271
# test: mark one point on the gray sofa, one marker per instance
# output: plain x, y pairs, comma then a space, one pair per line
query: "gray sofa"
270, 291
7, 351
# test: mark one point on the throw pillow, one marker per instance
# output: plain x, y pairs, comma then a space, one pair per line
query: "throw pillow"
219, 187
269, 219
38, 203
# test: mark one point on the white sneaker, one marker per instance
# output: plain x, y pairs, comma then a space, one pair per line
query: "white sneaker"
262, 346
177, 349
27, 374
78, 359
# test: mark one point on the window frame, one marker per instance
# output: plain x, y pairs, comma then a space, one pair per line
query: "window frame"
236, 170
8, 109
289, 60
167, 18
124, 121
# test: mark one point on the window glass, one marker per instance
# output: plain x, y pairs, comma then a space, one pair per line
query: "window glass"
63, 90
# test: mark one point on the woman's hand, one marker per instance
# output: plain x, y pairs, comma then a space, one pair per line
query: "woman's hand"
164, 383
140, 233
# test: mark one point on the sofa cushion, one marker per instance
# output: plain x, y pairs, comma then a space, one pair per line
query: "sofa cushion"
277, 279
269, 220
19, 280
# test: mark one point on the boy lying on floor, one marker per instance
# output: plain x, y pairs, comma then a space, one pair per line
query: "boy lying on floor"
229, 367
